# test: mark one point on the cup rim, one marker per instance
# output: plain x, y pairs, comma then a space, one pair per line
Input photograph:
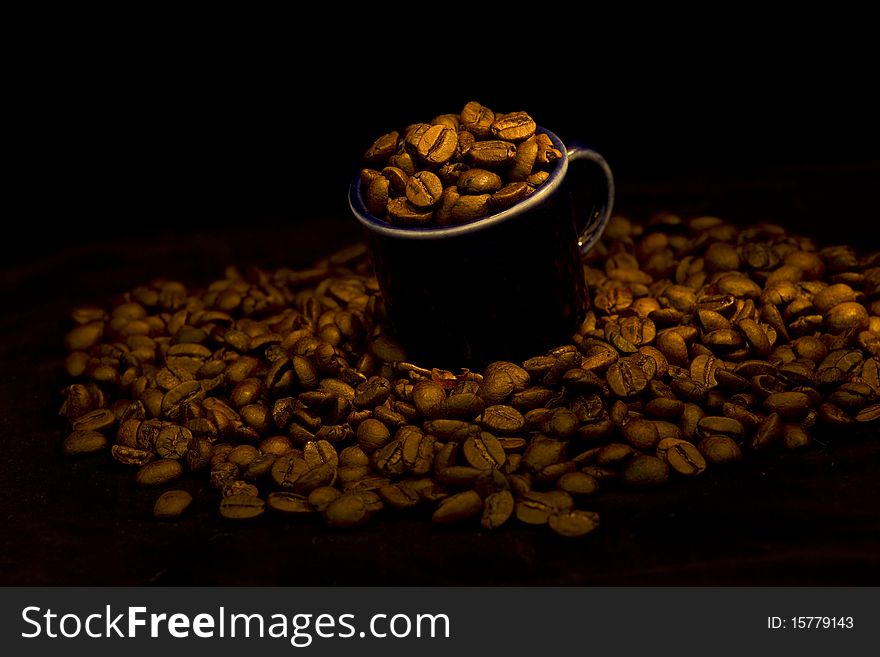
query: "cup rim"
358, 207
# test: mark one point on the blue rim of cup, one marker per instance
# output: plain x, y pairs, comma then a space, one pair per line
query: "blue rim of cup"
548, 188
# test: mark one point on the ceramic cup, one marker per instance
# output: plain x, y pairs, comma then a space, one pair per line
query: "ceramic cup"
507, 286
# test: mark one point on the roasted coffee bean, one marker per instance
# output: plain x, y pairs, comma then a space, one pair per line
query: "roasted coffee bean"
84, 441
641, 434
399, 496
158, 473
515, 127
847, 315
497, 509
625, 379
131, 455
428, 155
535, 508
681, 456
383, 148
794, 436
701, 338
789, 405
172, 504
437, 144
542, 452
242, 507
547, 153
718, 450
664, 408
578, 483
572, 524
725, 426
289, 504
478, 181
869, 415
502, 419
423, 189
345, 512
477, 119
510, 194
703, 370
492, 154
769, 431
455, 508
428, 398
483, 451
100, 419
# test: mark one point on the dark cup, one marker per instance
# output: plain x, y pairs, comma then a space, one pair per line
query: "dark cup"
507, 286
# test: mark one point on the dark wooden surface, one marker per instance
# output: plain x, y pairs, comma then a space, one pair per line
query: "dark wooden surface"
779, 518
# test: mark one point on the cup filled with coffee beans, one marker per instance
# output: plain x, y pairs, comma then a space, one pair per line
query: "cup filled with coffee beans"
476, 232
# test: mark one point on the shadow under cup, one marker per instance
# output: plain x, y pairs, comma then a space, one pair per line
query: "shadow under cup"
505, 287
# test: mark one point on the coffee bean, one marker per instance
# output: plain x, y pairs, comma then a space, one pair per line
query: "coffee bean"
477, 119
290, 380
241, 507
492, 154
572, 524
515, 127
718, 450
542, 452
159, 472
383, 148
502, 419
641, 434
789, 405
869, 415
832, 296
578, 483
438, 144
483, 451
510, 194
131, 455
663, 408
795, 436
428, 398
521, 170
100, 419
399, 496
289, 504
172, 504
478, 181
464, 405
417, 449
84, 441
497, 509
625, 379
346, 512
725, 426
673, 347
548, 154
402, 212
681, 456
423, 189
847, 315
535, 508
458, 507
769, 431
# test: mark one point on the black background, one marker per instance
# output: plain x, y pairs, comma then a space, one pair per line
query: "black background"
124, 138
135, 160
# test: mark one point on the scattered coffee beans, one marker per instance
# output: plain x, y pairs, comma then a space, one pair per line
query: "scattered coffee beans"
455, 169
284, 391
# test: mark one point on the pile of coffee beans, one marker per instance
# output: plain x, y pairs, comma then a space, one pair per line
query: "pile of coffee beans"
706, 343
457, 168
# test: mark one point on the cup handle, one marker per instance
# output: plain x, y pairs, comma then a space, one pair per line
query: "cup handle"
599, 187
